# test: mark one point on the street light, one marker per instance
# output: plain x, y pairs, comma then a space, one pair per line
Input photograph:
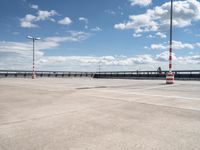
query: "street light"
170, 75
33, 39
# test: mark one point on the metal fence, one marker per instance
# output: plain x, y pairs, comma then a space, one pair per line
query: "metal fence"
179, 74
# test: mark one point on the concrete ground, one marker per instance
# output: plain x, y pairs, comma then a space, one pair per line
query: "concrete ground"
97, 114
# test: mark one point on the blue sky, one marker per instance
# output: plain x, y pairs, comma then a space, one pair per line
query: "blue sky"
80, 35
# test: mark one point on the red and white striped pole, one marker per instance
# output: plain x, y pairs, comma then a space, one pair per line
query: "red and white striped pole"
33, 73
170, 74
34, 39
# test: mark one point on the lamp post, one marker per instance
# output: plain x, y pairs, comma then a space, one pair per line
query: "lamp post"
33, 39
170, 75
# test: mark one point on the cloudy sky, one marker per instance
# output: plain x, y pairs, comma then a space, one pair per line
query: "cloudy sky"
81, 34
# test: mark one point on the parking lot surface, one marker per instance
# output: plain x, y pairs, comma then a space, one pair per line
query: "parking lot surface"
99, 114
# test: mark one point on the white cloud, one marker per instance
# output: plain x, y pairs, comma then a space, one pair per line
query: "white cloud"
96, 29
185, 12
120, 26
65, 21
198, 44
16, 55
137, 35
110, 12
29, 20
34, 7
161, 35
75, 36
44, 43
111, 63
194, 60
143, 59
140, 23
177, 45
158, 46
140, 2
150, 36
91, 63
83, 19
180, 45
164, 56
45, 15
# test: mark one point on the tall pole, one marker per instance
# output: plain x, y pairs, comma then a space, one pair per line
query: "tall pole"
170, 75
33, 74
33, 39
170, 47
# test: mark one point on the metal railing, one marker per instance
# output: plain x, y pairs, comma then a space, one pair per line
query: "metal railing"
179, 74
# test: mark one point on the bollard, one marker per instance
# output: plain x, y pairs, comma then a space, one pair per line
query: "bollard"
170, 78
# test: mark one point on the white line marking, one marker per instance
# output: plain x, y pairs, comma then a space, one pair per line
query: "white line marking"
149, 102
142, 94
165, 96
159, 86
148, 88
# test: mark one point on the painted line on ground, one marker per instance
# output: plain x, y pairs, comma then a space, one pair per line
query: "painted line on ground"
186, 107
143, 94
